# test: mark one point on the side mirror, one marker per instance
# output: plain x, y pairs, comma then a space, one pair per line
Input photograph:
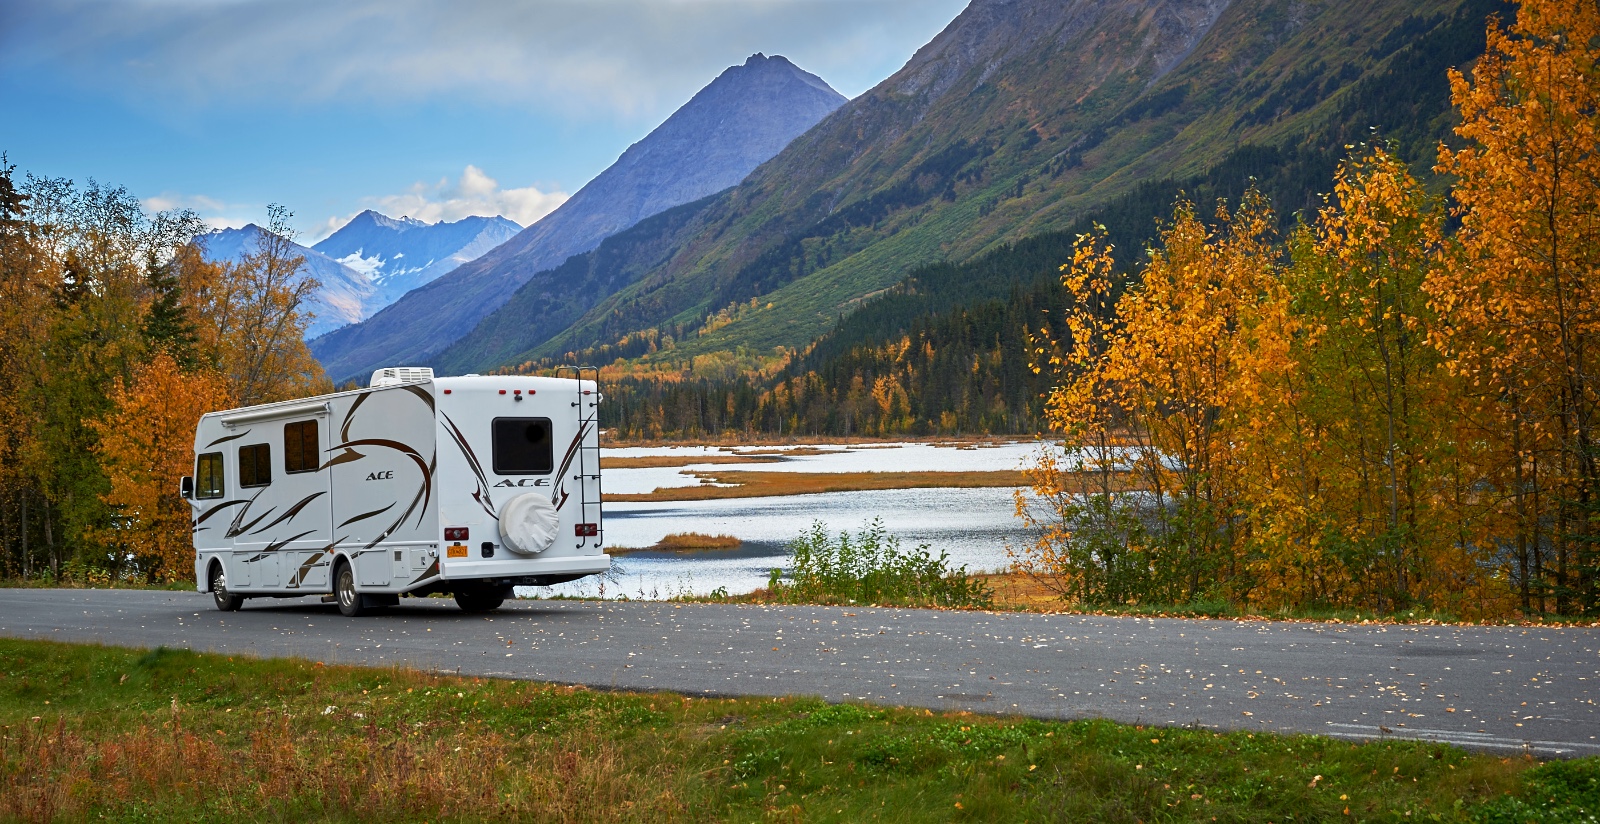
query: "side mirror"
186, 487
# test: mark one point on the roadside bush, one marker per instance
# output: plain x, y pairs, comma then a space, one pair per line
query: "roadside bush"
871, 568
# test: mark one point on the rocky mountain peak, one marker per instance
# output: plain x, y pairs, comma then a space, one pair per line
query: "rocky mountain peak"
740, 120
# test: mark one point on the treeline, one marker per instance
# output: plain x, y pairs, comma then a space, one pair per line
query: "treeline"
115, 335
1393, 407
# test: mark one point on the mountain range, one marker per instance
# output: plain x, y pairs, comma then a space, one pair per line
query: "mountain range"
741, 119
372, 260
1021, 119
401, 254
344, 293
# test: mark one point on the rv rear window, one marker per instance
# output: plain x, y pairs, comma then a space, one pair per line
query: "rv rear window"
255, 465
300, 446
208, 475
522, 446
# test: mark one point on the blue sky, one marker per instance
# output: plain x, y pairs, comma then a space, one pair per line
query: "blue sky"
422, 107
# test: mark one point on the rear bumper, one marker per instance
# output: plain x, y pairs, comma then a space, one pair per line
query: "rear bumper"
462, 569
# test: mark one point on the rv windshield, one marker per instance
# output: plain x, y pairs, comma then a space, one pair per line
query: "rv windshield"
208, 475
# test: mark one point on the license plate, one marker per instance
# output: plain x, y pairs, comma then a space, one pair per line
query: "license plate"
456, 551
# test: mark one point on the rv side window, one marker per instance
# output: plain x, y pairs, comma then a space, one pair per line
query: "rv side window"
255, 465
522, 446
208, 475
300, 447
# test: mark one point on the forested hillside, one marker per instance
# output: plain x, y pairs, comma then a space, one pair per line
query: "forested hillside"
1019, 120
938, 352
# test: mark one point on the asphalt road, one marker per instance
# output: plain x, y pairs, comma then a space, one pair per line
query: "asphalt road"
1487, 688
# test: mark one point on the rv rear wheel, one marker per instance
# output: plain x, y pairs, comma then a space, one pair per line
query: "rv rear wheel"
225, 600
344, 587
480, 600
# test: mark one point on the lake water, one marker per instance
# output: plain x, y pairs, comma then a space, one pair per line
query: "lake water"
972, 525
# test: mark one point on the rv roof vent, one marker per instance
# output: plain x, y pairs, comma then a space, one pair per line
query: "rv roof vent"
391, 375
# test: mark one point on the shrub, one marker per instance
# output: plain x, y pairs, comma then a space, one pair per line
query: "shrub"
871, 568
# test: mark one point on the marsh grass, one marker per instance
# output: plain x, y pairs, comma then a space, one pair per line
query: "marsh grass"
92, 732
719, 484
683, 542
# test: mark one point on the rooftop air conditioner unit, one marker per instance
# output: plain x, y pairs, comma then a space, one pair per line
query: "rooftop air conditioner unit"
395, 375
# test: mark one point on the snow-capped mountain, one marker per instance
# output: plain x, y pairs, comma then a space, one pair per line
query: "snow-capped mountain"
400, 254
344, 297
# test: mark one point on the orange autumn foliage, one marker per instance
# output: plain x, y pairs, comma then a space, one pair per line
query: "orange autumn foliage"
1522, 288
146, 445
1378, 415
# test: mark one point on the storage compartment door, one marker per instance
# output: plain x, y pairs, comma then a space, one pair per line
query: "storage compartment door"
374, 569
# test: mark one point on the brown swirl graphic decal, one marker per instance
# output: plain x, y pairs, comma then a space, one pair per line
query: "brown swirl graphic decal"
293, 511
365, 515
559, 495
424, 491
226, 438
432, 570
482, 495
298, 577
277, 545
214, 510
237, 527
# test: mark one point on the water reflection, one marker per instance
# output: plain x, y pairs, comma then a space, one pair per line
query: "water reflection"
972, 525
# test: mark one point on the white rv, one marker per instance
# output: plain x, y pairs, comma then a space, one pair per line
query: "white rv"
413, 486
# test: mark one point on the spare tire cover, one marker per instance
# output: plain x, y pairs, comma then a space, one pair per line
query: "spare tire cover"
528, 523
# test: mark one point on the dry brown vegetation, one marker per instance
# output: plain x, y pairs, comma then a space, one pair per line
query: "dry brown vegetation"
777, 484
661, 461
684, 542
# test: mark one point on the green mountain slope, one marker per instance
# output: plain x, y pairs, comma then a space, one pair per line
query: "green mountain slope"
1020, 119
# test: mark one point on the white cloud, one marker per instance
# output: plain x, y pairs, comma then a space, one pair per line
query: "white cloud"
215, 213
474, 193
630, 57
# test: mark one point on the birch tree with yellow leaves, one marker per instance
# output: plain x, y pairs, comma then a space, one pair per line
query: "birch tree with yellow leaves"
1519, 294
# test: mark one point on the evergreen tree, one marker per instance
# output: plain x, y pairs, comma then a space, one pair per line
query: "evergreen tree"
166, 322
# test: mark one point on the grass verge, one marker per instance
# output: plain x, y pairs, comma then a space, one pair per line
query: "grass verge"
92, 732
1026, 593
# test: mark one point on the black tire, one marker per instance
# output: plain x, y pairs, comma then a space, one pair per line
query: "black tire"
480, 601
351, 603
225, 600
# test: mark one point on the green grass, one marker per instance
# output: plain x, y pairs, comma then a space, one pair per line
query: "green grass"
93, 732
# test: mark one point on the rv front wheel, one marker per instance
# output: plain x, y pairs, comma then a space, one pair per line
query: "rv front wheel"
225, 600
344, 586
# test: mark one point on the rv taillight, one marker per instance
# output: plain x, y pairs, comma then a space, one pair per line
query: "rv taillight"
587, 530
455, 533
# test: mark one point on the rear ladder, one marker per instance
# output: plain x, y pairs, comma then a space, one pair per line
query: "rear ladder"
587, 406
